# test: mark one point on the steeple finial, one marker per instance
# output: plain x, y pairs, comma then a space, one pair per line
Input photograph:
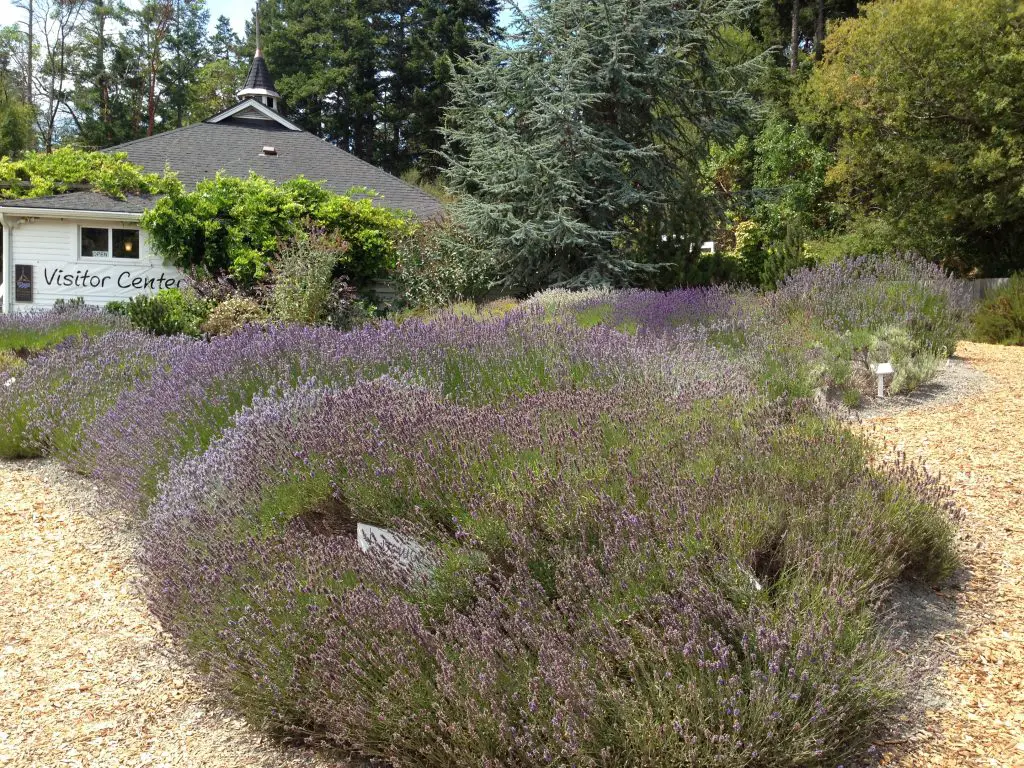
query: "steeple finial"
259, 48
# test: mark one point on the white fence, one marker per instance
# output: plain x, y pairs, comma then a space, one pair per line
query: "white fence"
984, 286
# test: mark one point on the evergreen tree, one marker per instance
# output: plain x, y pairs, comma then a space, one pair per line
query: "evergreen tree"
372, 75
224, 42
187, 50
575, 149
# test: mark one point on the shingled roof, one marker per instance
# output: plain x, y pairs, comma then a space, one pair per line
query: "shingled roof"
234, 142
259, 77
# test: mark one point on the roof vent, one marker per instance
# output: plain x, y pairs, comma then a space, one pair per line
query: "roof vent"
269, 151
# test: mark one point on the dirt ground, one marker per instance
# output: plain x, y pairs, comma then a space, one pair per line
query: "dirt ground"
86, 680
976, 445
84, 676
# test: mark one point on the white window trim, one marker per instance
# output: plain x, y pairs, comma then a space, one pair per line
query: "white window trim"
110, 227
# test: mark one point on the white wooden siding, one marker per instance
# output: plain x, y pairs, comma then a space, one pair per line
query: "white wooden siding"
52, 247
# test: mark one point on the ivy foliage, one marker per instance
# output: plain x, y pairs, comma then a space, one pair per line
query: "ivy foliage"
38, 174
235, 226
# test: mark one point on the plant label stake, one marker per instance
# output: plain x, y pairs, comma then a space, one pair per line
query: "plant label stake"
881, 370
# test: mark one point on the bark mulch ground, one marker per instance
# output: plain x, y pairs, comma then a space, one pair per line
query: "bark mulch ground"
85, 679
977, 447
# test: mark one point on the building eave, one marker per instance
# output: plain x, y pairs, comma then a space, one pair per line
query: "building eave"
14, 212
253, 104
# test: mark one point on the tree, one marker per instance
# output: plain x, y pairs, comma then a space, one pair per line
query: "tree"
920, 100
372, 75
17, 116
575, 149
187, 51
224, 43
58, 22
213, 89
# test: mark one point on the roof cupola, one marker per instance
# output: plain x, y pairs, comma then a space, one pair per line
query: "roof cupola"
259, 84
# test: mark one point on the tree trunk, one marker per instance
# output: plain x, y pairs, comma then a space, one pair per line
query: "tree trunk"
819, 32
151, 107
31, 41
794, 38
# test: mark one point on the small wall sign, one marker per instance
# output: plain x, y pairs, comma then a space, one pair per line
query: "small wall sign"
23, 282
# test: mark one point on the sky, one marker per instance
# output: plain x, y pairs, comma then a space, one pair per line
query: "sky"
238, 12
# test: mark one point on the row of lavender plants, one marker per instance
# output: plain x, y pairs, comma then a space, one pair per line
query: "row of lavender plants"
609, 541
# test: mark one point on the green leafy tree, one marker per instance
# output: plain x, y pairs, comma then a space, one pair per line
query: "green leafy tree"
576, 149
214, 89
920, 100
17, 117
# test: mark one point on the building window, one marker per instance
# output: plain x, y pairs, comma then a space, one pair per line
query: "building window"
270, 102
97, 241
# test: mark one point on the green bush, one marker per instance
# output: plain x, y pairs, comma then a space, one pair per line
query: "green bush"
236, 226
302, 277
9, 363
232, 314
170, 312
1000, 317
437, 265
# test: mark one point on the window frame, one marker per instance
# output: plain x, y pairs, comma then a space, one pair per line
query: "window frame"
110, 228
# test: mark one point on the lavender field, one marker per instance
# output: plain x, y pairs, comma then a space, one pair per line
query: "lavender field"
619, 529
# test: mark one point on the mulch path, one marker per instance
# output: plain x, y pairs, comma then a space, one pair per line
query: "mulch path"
85, 677
976, 445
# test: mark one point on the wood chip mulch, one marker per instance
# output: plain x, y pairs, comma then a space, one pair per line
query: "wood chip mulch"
85, 679
976, 445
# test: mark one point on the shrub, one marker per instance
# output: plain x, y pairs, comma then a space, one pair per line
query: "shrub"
437, 264
612, 577
182, 409
169, 312
1000, 317
302, 277
868, 293
233, 314
57, 394
9, 363
30, 332
236, 226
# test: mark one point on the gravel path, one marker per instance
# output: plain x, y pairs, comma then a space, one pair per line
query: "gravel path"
976, 444
84, 677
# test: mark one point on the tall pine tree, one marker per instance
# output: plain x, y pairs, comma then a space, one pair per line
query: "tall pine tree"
372, 75
187, 50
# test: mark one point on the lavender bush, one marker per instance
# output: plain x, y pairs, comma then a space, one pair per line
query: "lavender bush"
29, 332
180, 410
46, 404
606, 577
620, 535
